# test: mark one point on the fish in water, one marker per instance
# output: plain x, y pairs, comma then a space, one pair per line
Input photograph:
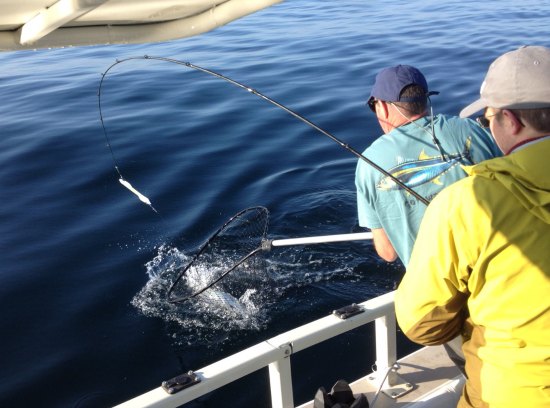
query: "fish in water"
227, 301
425, 169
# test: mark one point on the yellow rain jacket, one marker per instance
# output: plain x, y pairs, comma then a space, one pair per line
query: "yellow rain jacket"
481, 268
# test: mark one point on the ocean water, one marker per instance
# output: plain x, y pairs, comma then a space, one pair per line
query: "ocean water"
85, 266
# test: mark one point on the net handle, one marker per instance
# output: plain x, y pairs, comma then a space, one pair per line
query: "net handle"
322, 239
266, 246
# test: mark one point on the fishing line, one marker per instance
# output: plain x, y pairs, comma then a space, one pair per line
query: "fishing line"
435, 140
121, 179
264, 97
434, 137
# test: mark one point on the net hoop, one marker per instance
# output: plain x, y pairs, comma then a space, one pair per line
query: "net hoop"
259, 212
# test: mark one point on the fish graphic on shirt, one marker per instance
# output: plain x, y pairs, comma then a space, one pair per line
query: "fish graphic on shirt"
424, 170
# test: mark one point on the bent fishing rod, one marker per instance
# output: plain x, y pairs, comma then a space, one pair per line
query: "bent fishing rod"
264, 97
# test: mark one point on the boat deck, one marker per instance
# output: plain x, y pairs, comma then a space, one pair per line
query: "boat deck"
435, 380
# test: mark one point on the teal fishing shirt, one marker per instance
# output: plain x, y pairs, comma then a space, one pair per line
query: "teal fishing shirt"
409, 154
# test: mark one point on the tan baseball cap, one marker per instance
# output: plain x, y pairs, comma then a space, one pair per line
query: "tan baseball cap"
519, 79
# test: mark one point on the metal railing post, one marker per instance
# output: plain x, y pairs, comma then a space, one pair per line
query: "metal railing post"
386, 377
280, 381
386, 345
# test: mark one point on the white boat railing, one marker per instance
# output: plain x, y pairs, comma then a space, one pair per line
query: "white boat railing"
276, 353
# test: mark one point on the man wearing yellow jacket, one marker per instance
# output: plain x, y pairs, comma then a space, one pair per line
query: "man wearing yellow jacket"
481, 263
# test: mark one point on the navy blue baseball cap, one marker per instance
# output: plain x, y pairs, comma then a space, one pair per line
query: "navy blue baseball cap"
391, 81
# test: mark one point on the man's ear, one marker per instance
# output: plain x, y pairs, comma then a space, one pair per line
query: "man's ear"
384, 107
512, 121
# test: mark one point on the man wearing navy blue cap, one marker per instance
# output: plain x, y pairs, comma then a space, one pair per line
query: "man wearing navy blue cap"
421, 151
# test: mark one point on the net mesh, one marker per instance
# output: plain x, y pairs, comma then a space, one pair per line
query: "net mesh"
229, 263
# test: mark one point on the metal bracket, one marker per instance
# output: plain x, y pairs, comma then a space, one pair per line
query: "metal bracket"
180, 382
348, 311
399, 387
391, 384
287, 348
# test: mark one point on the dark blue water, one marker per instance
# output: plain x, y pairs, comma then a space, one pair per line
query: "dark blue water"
85, 264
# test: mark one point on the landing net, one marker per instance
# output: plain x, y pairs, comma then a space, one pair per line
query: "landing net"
229, 263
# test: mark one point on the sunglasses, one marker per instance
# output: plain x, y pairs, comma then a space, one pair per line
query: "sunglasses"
484, 121
371, 103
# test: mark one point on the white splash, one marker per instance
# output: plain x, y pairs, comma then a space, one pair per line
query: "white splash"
213, 314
